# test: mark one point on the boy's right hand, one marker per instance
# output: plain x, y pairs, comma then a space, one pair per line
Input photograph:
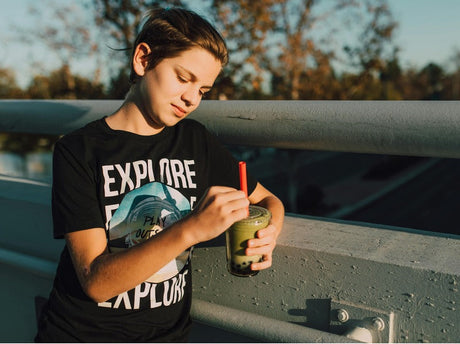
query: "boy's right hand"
217, 210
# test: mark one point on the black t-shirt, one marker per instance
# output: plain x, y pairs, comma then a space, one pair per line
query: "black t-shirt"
133, 186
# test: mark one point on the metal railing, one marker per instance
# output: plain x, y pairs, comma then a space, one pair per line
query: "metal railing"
413, 128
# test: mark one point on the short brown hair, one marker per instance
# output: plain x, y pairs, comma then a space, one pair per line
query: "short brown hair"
169, 32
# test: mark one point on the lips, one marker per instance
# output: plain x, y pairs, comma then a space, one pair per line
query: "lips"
180, 112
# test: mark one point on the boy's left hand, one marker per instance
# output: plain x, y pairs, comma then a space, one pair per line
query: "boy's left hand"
264, 245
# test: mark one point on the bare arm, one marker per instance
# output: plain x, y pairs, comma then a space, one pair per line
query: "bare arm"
104, 275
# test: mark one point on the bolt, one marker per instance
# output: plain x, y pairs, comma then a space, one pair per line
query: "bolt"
378, 323
342, 315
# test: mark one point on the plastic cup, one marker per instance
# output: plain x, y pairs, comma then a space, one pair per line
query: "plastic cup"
237, 237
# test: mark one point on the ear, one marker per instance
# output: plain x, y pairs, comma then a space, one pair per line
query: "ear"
140, 61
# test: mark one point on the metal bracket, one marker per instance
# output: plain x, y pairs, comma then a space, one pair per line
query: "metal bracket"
345, 317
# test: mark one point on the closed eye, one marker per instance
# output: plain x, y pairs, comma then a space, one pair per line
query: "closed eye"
182, 79
204, 91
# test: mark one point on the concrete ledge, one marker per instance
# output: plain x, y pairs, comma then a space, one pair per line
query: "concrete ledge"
384, 244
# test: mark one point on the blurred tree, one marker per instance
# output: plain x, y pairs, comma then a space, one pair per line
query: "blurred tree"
62, 84
431, 77
8, 87
289, 42
374, 46
454, 78
245, 25
119, 85
456, 87
305, 62
374, 56
409, 85
223, 88
427, 83
65, 31
122, 20
22, 144
39, 88
391, 77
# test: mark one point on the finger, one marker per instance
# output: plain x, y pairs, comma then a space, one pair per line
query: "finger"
226, 191
225, 200
232, 199
262, 250
239, 214
267, 231
256, 242
220, 189
265, 236
265, 264
236, 208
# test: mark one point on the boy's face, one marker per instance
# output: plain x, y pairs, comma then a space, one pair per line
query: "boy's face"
174, 88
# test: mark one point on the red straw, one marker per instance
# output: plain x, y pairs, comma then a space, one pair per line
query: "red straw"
243, 179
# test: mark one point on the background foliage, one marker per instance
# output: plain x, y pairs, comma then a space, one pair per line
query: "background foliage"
279, 49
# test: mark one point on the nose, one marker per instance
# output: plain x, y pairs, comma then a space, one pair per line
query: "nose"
191, 96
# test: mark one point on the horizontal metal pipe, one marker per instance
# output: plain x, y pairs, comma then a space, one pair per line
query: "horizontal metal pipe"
36, 265
417, 128
258, 327
385, 127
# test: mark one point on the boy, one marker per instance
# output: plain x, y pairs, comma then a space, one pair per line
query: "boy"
134, 191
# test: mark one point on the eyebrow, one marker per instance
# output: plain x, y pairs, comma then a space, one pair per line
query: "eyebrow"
192, 76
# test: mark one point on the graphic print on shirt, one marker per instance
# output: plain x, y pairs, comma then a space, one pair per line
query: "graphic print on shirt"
145, 212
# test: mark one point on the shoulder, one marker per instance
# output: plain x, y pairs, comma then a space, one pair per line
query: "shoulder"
92, 130
192, 129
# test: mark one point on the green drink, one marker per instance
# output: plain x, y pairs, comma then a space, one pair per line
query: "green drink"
237, 237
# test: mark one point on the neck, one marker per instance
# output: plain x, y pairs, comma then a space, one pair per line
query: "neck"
133, 118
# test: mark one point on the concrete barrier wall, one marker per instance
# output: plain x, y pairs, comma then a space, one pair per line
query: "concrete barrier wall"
408, 279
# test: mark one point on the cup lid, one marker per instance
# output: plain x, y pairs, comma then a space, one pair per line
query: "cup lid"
256, 212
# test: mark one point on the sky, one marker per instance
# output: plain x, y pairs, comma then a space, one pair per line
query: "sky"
429, 31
